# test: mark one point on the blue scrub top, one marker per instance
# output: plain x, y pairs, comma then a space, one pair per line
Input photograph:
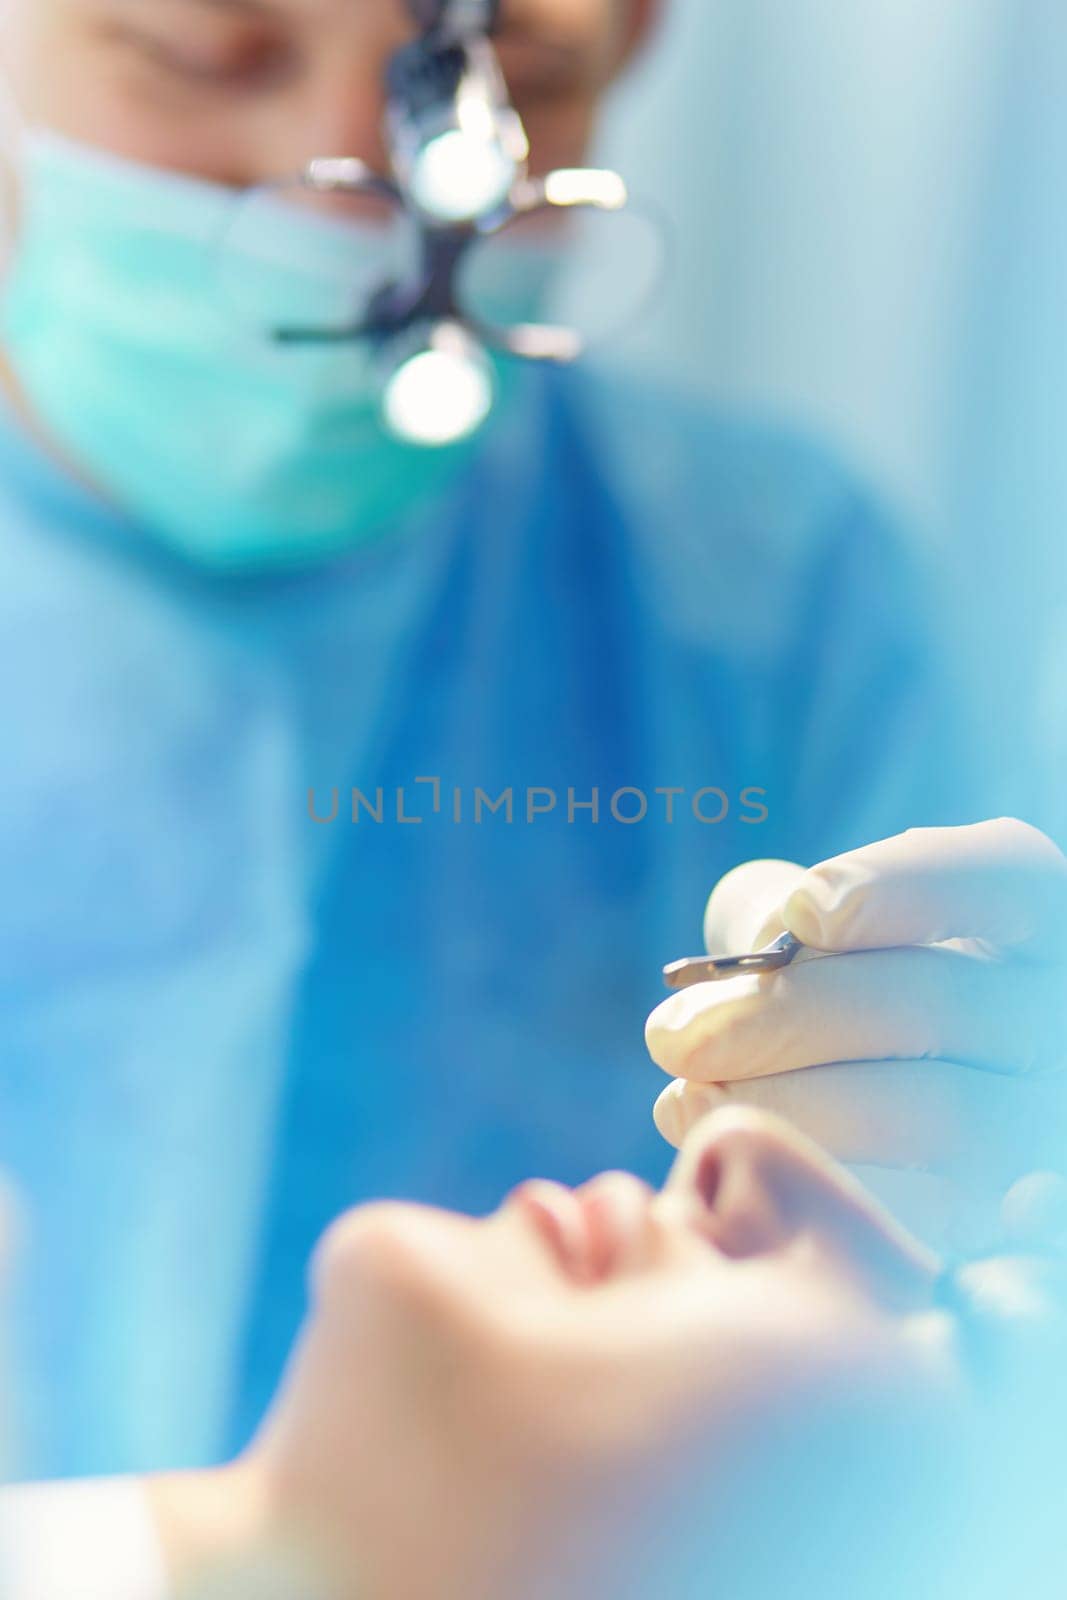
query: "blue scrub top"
222, 1022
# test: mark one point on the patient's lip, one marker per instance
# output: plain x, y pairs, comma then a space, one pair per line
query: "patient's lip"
559, 1218
617, 1209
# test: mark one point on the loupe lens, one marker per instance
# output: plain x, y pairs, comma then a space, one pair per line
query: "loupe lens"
294, 258
440, 389
458, 176
582, 268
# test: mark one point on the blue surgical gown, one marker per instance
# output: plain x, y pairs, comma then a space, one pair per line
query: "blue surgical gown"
223, 1021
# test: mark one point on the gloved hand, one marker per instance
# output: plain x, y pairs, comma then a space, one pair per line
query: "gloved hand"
924, 1029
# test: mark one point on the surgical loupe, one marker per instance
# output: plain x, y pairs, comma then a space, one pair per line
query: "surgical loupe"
458, 213
458, 147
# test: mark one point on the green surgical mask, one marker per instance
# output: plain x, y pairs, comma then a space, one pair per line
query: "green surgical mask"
233, 449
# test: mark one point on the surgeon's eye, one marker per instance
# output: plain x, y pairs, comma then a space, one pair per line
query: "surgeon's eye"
240, 62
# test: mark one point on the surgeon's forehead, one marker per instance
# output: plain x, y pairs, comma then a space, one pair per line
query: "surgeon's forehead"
568, 22
261, 8
512, 10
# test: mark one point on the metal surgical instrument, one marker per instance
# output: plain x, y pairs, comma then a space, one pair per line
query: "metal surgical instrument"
708, 969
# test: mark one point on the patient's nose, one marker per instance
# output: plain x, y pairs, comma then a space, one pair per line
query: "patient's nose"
730, 1172
752, 1184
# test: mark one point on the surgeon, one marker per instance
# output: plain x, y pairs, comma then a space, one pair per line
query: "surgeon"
272, 936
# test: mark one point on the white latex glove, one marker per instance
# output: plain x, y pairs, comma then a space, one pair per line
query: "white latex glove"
931, 1033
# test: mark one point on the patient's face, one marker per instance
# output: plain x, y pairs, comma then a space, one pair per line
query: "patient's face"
247, 91
574, 1342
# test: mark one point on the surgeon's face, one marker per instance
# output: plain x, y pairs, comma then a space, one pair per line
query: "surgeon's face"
512, 1374
245, 91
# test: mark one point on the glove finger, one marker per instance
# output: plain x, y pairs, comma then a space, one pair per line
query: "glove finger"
744, 911
937, 1117
1003, 882
872, 1005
